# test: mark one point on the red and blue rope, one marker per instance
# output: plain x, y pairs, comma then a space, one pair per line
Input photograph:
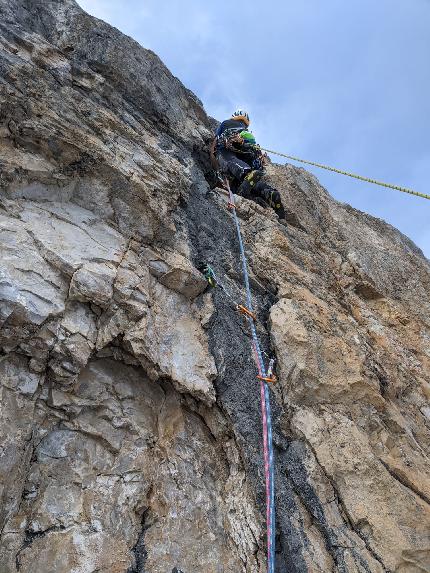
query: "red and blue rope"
266, 416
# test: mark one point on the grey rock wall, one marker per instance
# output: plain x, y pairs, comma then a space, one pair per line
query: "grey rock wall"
129, 417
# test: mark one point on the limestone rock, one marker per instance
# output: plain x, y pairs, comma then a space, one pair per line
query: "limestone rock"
171, 338
130, 425
178, 275
93, 282
30, 290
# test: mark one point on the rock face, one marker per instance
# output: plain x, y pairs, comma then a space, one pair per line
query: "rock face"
130, 426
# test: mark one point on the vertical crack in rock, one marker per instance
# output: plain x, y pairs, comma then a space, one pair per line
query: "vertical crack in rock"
139, 552
214, 241
405, 483
300, 479
296, 470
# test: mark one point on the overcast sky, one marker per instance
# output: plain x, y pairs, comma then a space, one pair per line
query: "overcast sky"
345, 83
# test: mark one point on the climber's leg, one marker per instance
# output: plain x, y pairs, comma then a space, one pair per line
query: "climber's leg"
232, 166
249, 183
271, 196
260, 202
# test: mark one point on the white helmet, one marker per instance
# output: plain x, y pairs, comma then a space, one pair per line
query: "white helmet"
240, 114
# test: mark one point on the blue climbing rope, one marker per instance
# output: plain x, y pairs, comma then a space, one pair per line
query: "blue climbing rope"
265, 404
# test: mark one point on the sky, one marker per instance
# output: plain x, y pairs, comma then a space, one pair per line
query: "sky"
345, 83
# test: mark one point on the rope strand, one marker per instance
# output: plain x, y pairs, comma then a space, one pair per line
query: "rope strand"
265, 405
353, 175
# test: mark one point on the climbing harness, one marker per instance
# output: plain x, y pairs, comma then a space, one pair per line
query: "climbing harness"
360, 177
264, 379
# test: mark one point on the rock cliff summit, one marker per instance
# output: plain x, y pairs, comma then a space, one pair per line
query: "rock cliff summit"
129, 418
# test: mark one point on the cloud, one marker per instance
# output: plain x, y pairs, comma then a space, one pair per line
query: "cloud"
343, 83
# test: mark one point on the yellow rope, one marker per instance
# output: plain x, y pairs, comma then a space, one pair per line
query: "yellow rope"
374, 181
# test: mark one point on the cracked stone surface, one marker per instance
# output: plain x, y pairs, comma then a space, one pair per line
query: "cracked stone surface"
130, 431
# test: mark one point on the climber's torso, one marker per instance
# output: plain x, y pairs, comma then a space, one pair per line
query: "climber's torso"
229, 128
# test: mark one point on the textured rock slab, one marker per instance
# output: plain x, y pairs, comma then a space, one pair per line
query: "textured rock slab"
67, 235
88, 500
391, 519
171, 337
30, 288
324, 363
105, 215
176, 273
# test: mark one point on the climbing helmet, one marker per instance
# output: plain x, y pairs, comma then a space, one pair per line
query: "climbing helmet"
239, 114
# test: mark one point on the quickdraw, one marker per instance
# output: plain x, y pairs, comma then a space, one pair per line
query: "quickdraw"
246, 311
267, 379
209, 275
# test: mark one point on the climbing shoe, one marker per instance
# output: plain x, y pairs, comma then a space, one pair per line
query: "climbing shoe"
273, 199
280, 211
246, 188
271, 196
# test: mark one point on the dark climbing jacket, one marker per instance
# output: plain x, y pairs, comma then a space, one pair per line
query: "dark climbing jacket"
242, 164
230, 124
226, 132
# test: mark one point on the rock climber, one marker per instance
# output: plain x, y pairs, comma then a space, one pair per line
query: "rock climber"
235, 155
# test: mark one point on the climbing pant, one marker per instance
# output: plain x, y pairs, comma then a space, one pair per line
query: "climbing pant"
254, 188
231, 166
247, 182
272, 197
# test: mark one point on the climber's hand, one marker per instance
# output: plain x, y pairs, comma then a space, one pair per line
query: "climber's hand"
264, 158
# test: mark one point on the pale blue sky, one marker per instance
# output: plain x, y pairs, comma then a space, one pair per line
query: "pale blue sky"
339, 82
